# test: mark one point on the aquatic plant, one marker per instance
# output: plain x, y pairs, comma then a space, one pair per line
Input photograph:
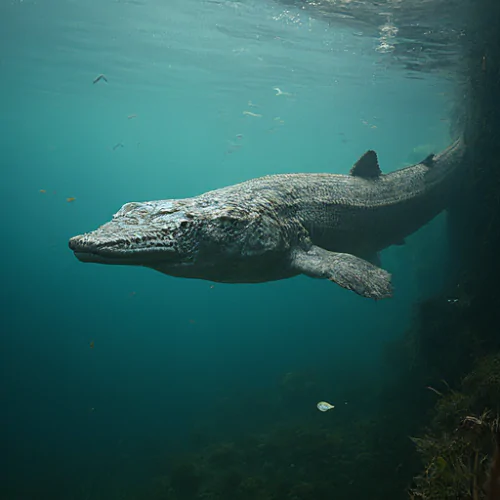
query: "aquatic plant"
483, 383
456, 450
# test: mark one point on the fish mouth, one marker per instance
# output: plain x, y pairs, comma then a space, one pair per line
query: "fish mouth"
116, 253
94, 257
105, 256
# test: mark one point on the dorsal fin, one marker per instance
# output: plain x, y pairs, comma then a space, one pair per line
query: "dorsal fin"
367, 166
428, 161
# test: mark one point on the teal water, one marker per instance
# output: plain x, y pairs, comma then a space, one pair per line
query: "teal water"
172, 357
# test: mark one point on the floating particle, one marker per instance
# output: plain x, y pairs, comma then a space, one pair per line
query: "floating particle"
280, 92
130, 117
249, 113
91, 344
70, 199
43, 191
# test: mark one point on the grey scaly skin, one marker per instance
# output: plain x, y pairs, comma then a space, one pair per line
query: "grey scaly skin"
321, 225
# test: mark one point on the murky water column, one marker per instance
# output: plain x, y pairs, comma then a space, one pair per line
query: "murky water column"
475, 216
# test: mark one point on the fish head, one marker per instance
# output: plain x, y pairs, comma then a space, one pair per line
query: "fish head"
185, 238
140, 233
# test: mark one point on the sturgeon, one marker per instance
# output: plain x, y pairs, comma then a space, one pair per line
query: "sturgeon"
323, 225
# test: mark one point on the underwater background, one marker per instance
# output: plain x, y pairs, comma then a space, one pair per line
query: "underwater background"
125, 383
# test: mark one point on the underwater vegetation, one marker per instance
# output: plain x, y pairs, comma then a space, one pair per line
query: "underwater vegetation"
462, 439
288, 463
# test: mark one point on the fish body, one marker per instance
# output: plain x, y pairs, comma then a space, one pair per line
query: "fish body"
326, 226
324, 406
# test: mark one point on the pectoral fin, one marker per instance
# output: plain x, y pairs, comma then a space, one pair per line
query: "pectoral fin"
345, 269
